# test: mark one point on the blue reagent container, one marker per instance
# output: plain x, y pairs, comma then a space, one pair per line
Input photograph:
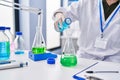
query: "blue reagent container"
65, 24
4, 45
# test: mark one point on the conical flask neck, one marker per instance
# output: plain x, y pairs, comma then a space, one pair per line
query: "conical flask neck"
39, 43
68, 47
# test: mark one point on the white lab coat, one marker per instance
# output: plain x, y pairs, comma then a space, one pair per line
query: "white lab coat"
87, 13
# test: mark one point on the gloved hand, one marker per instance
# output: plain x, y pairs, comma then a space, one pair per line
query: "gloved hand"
58, 18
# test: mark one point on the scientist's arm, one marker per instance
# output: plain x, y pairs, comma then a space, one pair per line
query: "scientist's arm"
73, 12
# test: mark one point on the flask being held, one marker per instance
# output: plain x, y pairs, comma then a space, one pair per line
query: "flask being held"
4, 45
19, 43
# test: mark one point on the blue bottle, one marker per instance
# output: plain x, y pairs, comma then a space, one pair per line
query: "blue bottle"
19, 43
65, 24
4, 45
10, 36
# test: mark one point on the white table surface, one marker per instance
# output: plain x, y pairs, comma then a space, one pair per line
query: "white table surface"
40, 70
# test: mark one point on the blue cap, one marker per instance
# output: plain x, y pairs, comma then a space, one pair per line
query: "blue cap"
18, 33
7, 28
2, 27
50, 61
68, 21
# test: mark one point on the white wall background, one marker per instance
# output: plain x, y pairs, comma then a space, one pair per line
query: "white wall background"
53, 37
7, 16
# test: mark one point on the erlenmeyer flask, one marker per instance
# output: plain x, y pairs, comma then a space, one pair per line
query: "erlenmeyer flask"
68, 57
39, 46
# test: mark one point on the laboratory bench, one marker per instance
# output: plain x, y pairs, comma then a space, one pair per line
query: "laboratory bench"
40, 70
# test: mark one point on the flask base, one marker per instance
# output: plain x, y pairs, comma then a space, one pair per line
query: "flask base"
68, 60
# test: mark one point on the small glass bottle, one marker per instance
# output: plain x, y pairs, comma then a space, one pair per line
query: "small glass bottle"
10, 36
4, 45
68, 57
65, 24
19, 43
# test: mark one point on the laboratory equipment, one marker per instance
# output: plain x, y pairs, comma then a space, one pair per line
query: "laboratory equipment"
92, 78
6, 62
4, 45
39, 46
10, 36
102, 72
68, 57
39, 57
19, 43
65, 24
13, 65
39, 43
51, 61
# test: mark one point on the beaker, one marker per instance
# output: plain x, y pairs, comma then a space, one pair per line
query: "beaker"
68, 56
39, 46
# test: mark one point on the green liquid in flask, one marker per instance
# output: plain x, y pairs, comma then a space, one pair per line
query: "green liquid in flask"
39, 50
68, 60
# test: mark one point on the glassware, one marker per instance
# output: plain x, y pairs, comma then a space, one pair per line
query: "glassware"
68, 57
39, 46
4, 45
65, 24
10, 36
19, 43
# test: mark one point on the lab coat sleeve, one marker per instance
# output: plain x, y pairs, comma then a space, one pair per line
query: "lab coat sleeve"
72, 11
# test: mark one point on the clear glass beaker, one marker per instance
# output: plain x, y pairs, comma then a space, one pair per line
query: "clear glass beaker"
39, 46
68, 57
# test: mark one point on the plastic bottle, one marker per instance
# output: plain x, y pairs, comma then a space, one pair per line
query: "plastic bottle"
10, 36
19, 43
4, 45
65, 24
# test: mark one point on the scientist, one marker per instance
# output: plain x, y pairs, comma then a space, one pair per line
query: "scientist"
99, 28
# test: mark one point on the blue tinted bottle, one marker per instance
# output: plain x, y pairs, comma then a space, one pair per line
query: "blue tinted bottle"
4, 45
19, 43
10, 36
65, 24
